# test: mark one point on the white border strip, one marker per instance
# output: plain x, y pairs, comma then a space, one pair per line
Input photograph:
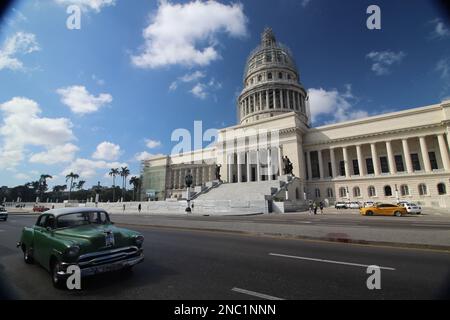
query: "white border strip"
328, 261
255, 294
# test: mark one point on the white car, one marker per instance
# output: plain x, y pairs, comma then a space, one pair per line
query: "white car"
353, 205
3, 214
413, 208
369, 204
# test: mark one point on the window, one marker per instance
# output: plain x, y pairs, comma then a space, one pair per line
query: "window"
415, 161
422, 189
355, 167
289, 77
280, 75
297, 194
269, 76
399, 163
259, 78
388, 191
356, 192
315, 164
433, 161
330, 170
384, 165
371, 191
369, 165
317, 192
404, 190
342, 168
441, 189
330, 193
342, 192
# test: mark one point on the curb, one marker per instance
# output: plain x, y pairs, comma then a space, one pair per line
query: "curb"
400, 245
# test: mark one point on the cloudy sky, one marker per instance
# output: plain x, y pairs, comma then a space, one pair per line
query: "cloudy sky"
111, 93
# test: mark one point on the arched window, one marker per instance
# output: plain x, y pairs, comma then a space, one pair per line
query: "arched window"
259, 78
330, 193
297, 194
404, 190
269, 76
422, 189
342, 192
387, 191
356, 192
280, 75
289, 76
371, 191
441, 189
317, 193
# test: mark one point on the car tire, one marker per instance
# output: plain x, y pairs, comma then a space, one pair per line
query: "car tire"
397, 213
369, 213
58, 282
27, 256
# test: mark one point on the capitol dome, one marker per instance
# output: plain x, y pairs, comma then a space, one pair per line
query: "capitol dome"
271, 83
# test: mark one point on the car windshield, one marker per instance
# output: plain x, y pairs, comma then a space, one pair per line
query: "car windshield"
82, 218
412, 204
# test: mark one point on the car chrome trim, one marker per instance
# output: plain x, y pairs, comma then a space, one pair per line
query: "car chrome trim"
112, 251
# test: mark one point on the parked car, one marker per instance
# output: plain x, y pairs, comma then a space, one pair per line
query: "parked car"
3, 214
412, 208
40, 209
353, 205
84, 237
340, 205
383, 209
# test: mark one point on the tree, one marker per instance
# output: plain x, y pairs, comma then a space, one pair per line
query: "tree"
71, 176
124, 173
136, 182
80, 184
43, 187
114, 172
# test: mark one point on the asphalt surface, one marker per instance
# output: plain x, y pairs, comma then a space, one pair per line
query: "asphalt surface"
214, 265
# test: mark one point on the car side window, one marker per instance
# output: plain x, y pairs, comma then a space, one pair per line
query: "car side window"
42, 221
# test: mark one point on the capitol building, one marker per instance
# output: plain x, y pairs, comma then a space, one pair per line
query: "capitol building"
385, 158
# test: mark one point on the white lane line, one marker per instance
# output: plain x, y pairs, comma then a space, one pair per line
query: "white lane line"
328, 261
255, 294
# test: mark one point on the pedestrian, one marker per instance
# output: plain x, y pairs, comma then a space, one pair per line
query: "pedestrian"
321, 207
310, 207
139, 208
124, 207
315, 208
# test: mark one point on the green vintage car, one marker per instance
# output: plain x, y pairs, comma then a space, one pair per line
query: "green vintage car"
84, 237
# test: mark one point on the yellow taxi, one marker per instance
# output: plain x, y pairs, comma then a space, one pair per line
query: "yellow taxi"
383, 209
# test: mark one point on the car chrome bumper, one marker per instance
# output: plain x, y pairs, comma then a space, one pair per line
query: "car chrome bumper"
108, 267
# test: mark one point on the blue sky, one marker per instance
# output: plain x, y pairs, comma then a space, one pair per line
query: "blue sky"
110, 94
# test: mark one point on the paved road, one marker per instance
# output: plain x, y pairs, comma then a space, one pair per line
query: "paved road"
207, 265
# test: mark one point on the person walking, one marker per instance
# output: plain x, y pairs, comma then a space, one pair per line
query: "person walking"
310, 207
315, 208
321, 207
139, 208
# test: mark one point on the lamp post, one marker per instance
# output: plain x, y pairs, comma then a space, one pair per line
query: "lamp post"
347, 193
396, 194
188, 180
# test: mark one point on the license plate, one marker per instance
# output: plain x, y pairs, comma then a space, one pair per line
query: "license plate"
109, 239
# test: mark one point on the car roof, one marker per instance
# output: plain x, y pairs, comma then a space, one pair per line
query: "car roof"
62, 211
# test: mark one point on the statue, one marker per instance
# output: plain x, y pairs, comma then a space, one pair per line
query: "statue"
218, 176
288, 166
189, 180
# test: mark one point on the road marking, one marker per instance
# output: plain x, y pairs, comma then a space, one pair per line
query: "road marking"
328, 261
255, 294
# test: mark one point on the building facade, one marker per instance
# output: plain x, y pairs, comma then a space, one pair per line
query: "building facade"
400, 155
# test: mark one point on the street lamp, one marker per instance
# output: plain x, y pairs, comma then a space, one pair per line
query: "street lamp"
188, 180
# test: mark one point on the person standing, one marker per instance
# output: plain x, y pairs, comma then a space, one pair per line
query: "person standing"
310, 207
315, 208
139, 208
321, 207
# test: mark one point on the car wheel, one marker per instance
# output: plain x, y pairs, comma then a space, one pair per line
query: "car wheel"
397, 213
27, 255
369, 213
58, 281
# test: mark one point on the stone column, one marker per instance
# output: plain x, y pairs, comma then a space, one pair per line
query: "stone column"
425, 156
274, 99
230, 175
443, 150
260, 101
361, 166
308, 161
280, 161
321, 173
391, 159
249, 171
239, 168
407, 156
346, 164
282, 102
294, 99
258, 166
375, 160
333, 163
269, 164
267, 99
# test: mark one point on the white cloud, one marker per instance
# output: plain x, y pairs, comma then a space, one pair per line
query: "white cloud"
54, 155
199, 91
87, 168
97, 80
333, 104
305, 2
440, 29
80, 101
21, 43
95, 5
22, 176
381, 61
107, 151
188, 77
186, 34
146, 156
22, 126
443, 67
151, 144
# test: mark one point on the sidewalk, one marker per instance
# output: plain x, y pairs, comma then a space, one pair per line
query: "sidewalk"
433, 235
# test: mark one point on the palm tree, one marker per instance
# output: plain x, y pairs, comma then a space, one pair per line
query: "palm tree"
71, 176
124, 173
114, 172
135, 181
80, 184
43, 184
